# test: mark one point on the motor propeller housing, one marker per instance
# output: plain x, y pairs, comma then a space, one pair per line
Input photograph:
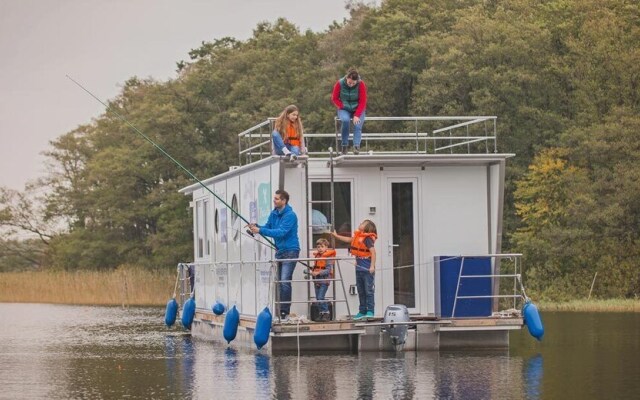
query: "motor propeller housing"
397, 333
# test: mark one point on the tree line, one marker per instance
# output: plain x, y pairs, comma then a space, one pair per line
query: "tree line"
562, 76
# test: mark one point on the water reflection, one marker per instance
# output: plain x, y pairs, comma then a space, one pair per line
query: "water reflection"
402, 370
321, 379
60, 352
478, 375
282, 368
263, 372
230, 363
533, 377
364, 377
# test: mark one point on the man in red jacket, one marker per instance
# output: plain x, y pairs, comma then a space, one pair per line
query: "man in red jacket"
350, 97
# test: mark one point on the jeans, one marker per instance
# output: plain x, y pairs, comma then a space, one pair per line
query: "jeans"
278, 145
345, 117
285, 273
321, 290
366, 288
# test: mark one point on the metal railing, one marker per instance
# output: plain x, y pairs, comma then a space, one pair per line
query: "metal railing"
518, 288
186, 276
305, 262
387, 135
311, 299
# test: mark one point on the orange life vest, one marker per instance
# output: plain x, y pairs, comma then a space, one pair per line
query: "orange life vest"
358, 247
291, 136
321, 263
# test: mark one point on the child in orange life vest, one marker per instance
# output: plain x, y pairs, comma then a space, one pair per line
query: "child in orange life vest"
362, 247
323, 269
287, 135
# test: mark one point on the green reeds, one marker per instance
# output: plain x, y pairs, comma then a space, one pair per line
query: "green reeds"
125, 286
600, 305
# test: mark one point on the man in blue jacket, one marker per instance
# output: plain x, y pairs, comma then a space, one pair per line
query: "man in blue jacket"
282, 226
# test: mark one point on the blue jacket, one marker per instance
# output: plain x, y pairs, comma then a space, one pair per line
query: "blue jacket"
282, 226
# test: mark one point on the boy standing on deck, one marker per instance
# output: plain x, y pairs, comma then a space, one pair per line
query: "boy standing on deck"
323, 269
362, 248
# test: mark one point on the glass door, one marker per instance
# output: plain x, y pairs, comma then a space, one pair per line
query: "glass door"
401, 247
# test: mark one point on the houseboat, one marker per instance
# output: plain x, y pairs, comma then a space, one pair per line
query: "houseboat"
434, 186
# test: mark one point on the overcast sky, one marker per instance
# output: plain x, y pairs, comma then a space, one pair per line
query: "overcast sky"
102, 43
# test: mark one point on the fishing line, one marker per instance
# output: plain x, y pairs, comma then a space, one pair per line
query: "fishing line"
165, 153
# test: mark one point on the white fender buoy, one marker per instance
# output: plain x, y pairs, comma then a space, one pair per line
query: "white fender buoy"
231, 322
171, 313
188, 312
532, 319
263, 328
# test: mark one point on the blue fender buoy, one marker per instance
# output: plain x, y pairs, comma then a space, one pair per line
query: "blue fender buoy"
263, 327
231, 322
218, 308
188, 312
532, 320
171, 313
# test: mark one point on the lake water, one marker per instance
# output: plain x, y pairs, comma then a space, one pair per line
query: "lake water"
64, 352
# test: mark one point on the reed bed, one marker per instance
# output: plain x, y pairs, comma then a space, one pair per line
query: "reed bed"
125, 286
599, 305
130, 285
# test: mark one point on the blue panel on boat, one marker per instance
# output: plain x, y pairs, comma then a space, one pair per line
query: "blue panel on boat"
448, 270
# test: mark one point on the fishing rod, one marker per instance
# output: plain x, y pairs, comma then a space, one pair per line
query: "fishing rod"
167, 155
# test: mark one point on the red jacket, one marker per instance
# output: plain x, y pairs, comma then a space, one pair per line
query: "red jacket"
362, 98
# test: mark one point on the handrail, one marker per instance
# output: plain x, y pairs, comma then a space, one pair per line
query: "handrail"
185, 271
277, 260
256, 143
260, 125
480, 119
516, 275
272, 262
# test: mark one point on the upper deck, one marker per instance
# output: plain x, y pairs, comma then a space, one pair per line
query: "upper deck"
405, 137
386, 142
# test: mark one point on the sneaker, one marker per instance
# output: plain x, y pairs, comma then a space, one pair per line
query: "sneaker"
344, 150
359, 316
324, 316
369, 315
356, 150
284, 319
286, 151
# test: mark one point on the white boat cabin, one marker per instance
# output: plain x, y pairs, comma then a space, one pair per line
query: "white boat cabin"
432, 193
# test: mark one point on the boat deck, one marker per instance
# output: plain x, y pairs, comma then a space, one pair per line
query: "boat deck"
346, 335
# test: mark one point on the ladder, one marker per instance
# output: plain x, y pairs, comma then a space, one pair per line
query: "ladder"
337, 272
308, 262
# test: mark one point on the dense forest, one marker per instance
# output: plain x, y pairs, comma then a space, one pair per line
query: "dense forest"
563, 77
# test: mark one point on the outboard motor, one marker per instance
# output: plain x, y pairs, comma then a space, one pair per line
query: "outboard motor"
397, 333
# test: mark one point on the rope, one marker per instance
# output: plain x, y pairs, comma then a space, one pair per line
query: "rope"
298, 336
353, 262
175, 288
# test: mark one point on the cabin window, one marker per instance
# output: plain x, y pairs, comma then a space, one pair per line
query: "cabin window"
321, 217
216, 222
207, 232
199, 229
234, 218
